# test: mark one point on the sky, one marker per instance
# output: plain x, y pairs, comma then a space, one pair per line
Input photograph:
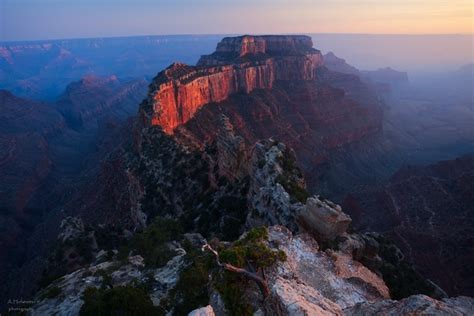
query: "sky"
52, 19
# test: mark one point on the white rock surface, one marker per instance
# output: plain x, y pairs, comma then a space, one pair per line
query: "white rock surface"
73, 285
341, 281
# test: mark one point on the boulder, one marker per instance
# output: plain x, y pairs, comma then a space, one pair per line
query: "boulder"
324, 218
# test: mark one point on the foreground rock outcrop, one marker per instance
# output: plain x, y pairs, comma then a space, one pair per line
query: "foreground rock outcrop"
325, 270
278, 195
314, 282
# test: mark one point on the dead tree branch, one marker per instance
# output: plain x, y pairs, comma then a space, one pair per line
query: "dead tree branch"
261, 282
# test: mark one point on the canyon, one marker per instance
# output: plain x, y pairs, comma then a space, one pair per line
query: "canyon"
428, 212
238, 152
43, 69
48, 151
332, 119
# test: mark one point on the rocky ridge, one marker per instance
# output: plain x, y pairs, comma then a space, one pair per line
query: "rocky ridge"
314, 278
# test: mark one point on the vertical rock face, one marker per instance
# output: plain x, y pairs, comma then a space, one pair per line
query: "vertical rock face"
241, 64
269, 44
231, 151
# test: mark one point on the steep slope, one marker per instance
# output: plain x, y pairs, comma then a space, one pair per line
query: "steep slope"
311, 265
45, 158
92, 97
428, 211
26, 129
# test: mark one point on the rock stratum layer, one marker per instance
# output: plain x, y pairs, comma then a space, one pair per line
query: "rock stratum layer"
241, 64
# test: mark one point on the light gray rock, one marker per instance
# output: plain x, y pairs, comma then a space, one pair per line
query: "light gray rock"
271, 203
300, 299
136, 261
317, 282
71, 228
69, 301
73, 285
272, 164
167, 277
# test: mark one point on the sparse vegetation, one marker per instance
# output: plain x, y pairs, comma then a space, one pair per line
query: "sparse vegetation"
252, 254
290, 179
294, 190
152, 242
191, 290
106, 279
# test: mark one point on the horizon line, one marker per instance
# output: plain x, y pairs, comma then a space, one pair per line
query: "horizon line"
231, 34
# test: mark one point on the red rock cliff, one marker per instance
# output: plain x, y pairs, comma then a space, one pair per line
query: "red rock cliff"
240, 64
269, 44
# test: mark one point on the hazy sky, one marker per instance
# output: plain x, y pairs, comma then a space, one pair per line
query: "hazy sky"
46, 19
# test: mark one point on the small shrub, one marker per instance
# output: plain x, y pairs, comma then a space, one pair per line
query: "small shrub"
232, 286
291, 173
295, 191
151, 243
123, 252
191, 290
106, 278
250, 250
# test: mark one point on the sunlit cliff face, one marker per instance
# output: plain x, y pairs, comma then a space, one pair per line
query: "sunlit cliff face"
240, 64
